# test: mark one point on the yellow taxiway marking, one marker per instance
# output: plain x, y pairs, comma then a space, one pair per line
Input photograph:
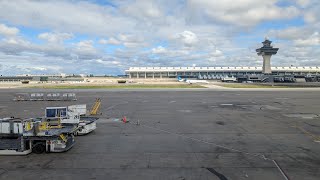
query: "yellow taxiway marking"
313, 136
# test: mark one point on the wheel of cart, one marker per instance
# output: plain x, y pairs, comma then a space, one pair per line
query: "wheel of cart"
39, 148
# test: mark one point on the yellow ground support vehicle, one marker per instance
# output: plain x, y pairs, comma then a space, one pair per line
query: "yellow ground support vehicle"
23, 136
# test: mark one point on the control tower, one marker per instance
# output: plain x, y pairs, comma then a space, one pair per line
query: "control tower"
266, 51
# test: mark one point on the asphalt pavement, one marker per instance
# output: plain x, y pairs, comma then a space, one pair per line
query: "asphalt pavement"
181, 134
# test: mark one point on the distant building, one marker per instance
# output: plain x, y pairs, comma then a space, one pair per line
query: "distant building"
15, 78
194, 72
43, 77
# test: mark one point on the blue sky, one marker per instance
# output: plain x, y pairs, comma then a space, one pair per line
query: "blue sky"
107, 37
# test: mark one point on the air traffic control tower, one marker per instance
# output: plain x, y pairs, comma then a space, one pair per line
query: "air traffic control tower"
266, 51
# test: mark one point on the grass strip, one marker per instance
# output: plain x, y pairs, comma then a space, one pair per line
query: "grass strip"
125, 86
256, 86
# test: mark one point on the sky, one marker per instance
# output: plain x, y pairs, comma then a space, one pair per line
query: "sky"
105, 37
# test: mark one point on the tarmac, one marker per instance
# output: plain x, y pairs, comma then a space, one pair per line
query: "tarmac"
181, 135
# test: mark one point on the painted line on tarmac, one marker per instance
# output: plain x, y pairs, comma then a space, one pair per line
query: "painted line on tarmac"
219, 175
285, 176
257, 155
314, 137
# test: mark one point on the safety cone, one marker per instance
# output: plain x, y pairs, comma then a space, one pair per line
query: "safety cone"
124, 119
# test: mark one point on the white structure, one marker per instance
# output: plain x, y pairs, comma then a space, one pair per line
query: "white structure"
266, 68
266, 51
173, 72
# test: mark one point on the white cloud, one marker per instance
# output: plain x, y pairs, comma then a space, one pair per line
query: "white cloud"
108, 63
70, 16
300, 36
290, 33
14, 45
113, 41
86, 45
310, 17
8, 31
202, 32
216, 56
313, 40
158, 50
241, 13
311, 12
188, 38
86, 50
303, 3
142, 9
124, 39
16, 41
216, 53
128, 40
103, 41
55, 37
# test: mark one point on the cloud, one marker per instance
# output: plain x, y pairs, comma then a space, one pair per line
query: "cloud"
103, 41
86, 50
188, 38
300, 36
303, 3
216, 53
310, 11
158, 50
62, 15
241, 13
8, 31
93, 38
14, 45
312, 40
78, 51
114, 41
55, 37
108, 63
127, 40
291, 33
142, 9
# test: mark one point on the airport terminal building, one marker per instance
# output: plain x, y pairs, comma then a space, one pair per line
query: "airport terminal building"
195, 72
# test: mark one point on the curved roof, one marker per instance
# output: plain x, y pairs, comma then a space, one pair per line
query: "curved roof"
220, 69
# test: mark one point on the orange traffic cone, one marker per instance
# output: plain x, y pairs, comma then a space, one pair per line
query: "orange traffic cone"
124, 119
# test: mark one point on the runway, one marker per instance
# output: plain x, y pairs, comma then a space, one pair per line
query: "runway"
181, 134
